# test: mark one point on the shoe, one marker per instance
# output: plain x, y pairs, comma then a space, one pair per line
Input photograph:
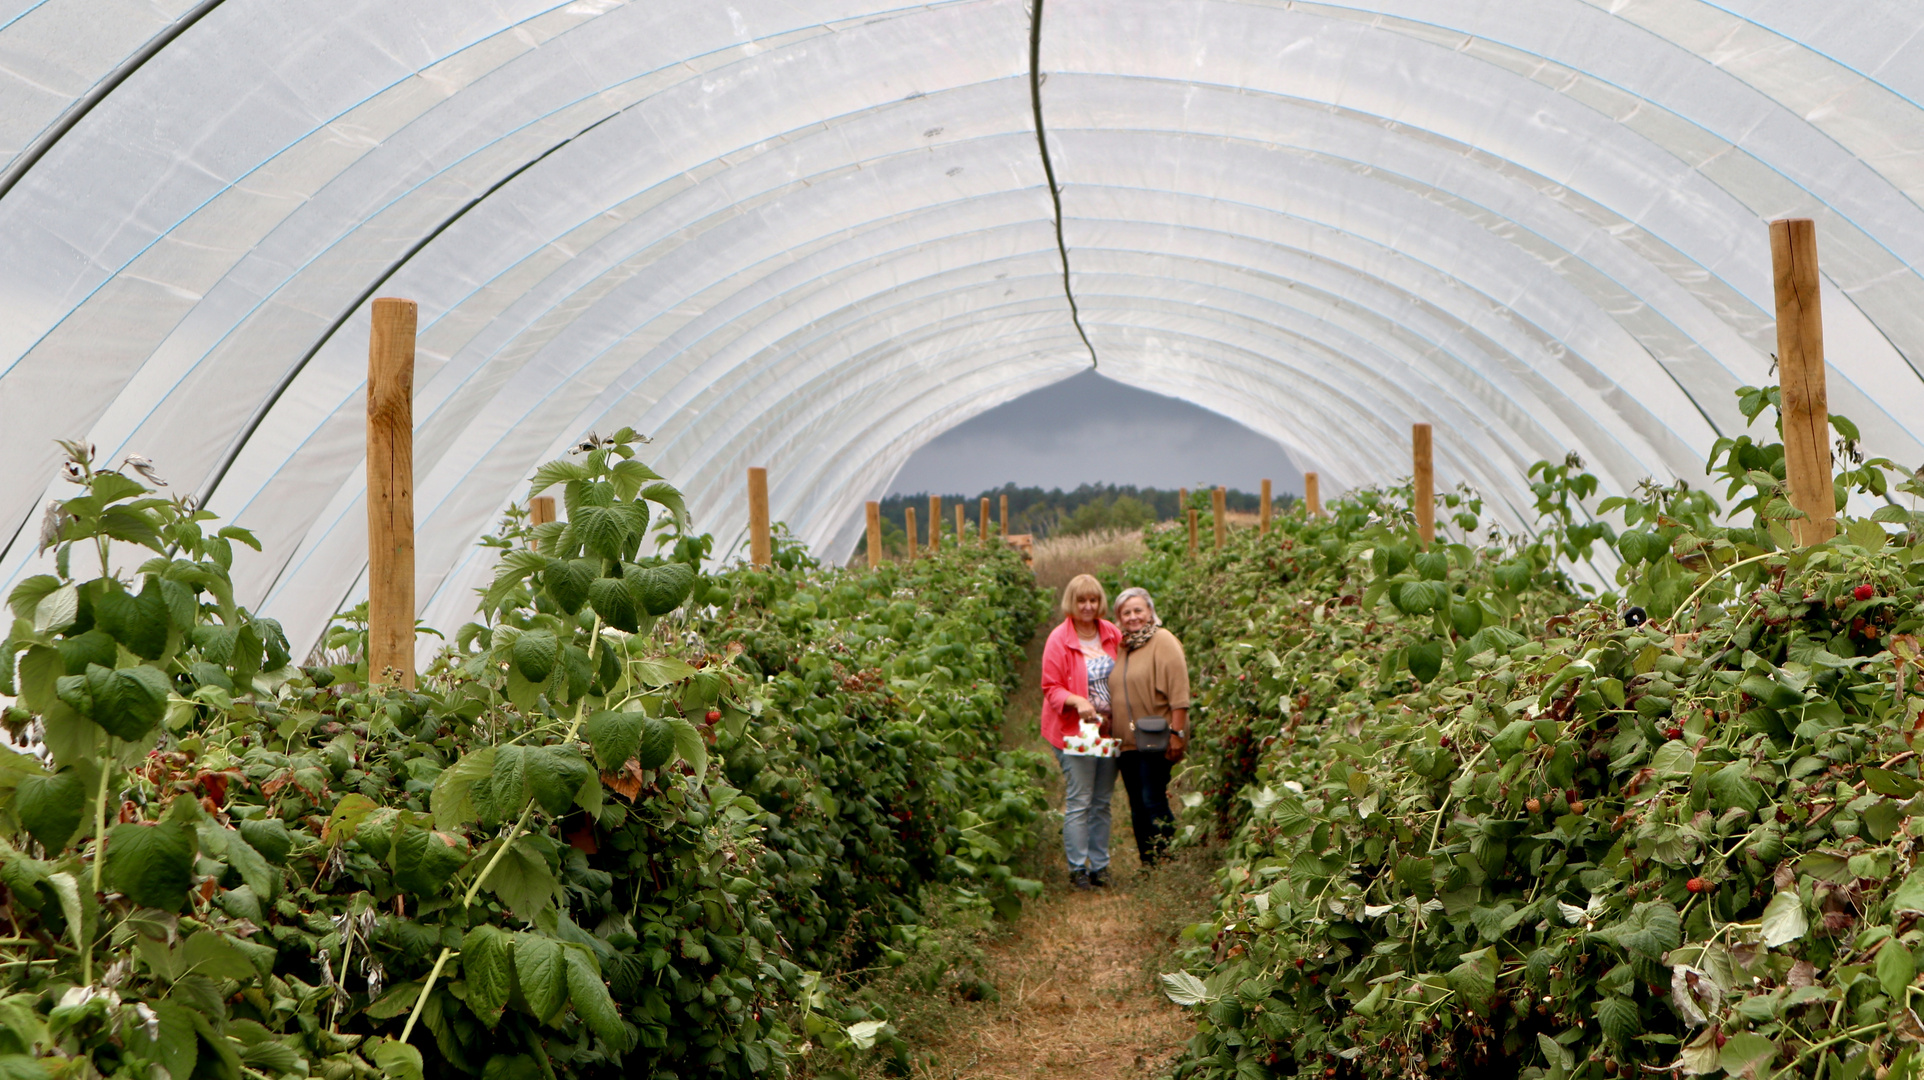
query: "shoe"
1099, 878
1079, 879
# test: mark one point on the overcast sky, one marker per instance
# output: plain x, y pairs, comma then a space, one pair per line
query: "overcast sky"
1088, 429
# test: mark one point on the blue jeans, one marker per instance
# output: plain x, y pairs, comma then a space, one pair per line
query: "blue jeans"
1087, 781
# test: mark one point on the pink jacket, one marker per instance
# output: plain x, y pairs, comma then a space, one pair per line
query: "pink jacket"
1063, 674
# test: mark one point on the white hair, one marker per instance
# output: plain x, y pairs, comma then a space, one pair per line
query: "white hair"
1129, 594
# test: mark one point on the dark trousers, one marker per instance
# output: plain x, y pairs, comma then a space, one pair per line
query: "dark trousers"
1146, 776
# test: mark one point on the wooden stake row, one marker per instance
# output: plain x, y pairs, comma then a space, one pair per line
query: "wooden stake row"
1804, 406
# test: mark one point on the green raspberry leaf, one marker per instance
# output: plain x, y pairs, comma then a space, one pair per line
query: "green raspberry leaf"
615, 737
604, 530
540, 971
591, 1000
152, 864
661, 588
51, 807
426, 861
567, 582
535, 653
554, 774
487, 961
614, 602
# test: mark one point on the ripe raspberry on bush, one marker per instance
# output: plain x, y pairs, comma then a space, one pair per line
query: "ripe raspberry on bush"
1864, 592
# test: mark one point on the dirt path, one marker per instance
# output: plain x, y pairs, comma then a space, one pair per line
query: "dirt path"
1077, 971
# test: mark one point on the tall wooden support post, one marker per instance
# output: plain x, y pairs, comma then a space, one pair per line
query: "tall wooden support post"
1219, 509
935, 523
1424, 495
540, 512
1312, 494
1800, 374
1005, 517
908, 522
760, 551
1182, 500
874, 534
390, 492
1265, 510
1192, 530
961, 526
985, 519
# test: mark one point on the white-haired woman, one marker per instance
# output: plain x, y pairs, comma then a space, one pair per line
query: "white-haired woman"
1149, 692
1076, 662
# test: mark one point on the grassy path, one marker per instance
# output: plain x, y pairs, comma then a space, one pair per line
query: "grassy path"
1076, 973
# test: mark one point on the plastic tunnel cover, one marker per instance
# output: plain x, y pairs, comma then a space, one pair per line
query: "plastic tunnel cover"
814, 235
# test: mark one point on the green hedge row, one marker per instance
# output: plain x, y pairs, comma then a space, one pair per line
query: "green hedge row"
1478, 817
635, 822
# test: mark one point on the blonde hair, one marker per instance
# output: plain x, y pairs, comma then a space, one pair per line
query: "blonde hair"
1080, 586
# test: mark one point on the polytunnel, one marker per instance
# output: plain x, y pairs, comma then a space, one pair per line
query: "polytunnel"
814, 234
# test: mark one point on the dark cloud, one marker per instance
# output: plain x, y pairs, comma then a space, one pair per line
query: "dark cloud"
1089, 429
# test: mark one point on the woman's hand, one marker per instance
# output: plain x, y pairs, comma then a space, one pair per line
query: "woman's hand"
1178, 745
1083, 707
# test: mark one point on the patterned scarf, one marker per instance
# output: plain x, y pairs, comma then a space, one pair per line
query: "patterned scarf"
1136, 639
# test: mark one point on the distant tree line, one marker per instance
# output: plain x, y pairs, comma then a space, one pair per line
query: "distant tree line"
1054, 512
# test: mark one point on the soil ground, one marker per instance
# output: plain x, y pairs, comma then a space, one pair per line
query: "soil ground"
1076, 973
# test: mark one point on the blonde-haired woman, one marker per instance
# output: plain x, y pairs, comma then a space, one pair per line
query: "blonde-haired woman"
1076, 662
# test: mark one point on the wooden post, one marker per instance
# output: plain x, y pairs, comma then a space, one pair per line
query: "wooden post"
1312, 494
1005, 517
1424, 495
935, 523
874, 534
390, 492
961, 521
1265, 509
1192, 531
985, 519
760, 551
1800, 375
908, 520
1219, 507
1182, 499
540, 512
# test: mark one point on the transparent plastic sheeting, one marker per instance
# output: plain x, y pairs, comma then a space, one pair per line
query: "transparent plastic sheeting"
813, 235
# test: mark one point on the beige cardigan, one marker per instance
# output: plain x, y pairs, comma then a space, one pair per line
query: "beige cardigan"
1150, 681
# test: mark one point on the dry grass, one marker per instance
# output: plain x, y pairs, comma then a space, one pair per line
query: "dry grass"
1059, 558
1075, 975
1077, 978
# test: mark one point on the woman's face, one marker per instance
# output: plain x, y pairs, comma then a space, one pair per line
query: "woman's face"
1134, 614
1088, 608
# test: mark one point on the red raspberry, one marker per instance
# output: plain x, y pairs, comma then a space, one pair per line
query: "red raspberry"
1674, 733
714, 715
1864, 592
1444, 742
1696, 884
